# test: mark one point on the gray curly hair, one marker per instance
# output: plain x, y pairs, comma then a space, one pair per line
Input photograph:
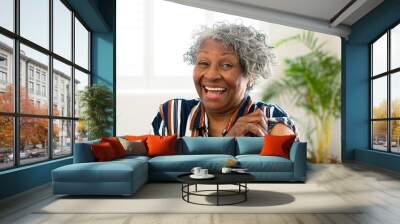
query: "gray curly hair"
255, 55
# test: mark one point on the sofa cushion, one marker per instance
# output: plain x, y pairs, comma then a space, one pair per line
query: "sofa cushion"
206, 145
257, 163
111, 171
131, 158
249, 145
185, 163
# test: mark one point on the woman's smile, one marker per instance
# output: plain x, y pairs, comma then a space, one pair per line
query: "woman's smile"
214, 93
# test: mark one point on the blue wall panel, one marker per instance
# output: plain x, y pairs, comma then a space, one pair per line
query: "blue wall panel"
102, 59
103, 63
377, 158
357, 100
24, 178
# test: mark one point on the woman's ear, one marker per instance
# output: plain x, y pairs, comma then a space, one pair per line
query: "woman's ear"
249, 85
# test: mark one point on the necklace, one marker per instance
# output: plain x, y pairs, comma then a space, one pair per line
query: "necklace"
230, 123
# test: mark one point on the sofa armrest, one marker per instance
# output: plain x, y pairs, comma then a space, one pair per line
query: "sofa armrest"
83, 152
298, 155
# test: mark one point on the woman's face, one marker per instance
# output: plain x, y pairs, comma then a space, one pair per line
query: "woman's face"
218, 77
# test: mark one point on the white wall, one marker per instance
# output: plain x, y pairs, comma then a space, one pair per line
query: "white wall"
139, 97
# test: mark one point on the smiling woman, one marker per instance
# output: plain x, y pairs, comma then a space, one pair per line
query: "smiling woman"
228, 59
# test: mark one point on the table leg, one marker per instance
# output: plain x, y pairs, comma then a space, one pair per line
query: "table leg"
188, 190
217, 194
182, 188
196, 188
245, 191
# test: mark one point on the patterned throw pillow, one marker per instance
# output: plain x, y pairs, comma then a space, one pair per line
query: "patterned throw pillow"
134, 147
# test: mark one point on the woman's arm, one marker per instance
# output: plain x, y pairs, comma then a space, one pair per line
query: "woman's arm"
281, 129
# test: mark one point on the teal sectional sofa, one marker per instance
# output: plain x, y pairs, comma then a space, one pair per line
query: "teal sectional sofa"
125, 176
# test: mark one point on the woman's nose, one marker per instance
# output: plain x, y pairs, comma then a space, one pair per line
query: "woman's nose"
212, 73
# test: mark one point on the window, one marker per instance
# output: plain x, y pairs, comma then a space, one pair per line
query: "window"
142, 43
81, 45
54, 125
43, 77
385, 94
3, 78
3, 72
38, 89
62, 29
62, 75
6, 142
44, 91
62, 129
7, 14
30, 87
6, 73
30, 72
37, 75
3, 61
34, 21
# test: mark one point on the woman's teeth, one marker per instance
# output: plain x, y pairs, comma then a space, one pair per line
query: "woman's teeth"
216, 89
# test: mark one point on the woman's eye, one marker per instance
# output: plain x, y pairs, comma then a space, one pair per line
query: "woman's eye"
226, 66
202, 63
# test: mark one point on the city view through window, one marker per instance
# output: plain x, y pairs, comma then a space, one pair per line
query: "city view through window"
385, 82
32, 131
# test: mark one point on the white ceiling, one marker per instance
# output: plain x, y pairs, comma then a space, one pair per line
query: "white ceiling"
320, 9
315, 15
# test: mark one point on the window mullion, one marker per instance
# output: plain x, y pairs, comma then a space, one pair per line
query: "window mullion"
16, 84
50, 81
73, 82
389, 106
371, 89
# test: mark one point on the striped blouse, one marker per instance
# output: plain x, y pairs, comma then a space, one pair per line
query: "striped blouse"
188, 118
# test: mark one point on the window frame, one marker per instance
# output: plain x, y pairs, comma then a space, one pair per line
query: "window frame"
15, 72
388, 74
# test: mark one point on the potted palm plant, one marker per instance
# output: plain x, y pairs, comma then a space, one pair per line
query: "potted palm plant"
313, 82
96, 102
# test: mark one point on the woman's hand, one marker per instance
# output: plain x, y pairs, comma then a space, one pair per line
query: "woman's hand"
255, 123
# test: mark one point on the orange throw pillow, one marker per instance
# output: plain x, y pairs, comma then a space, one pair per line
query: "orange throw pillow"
161, 145
103, 152
116, 145
136, 137
277, 145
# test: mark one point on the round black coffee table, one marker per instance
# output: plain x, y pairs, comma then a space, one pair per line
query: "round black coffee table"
238, 179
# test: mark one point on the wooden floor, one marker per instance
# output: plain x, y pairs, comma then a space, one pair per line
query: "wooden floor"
377, 188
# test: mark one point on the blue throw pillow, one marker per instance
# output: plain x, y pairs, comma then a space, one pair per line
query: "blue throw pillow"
206, 145
249, 145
